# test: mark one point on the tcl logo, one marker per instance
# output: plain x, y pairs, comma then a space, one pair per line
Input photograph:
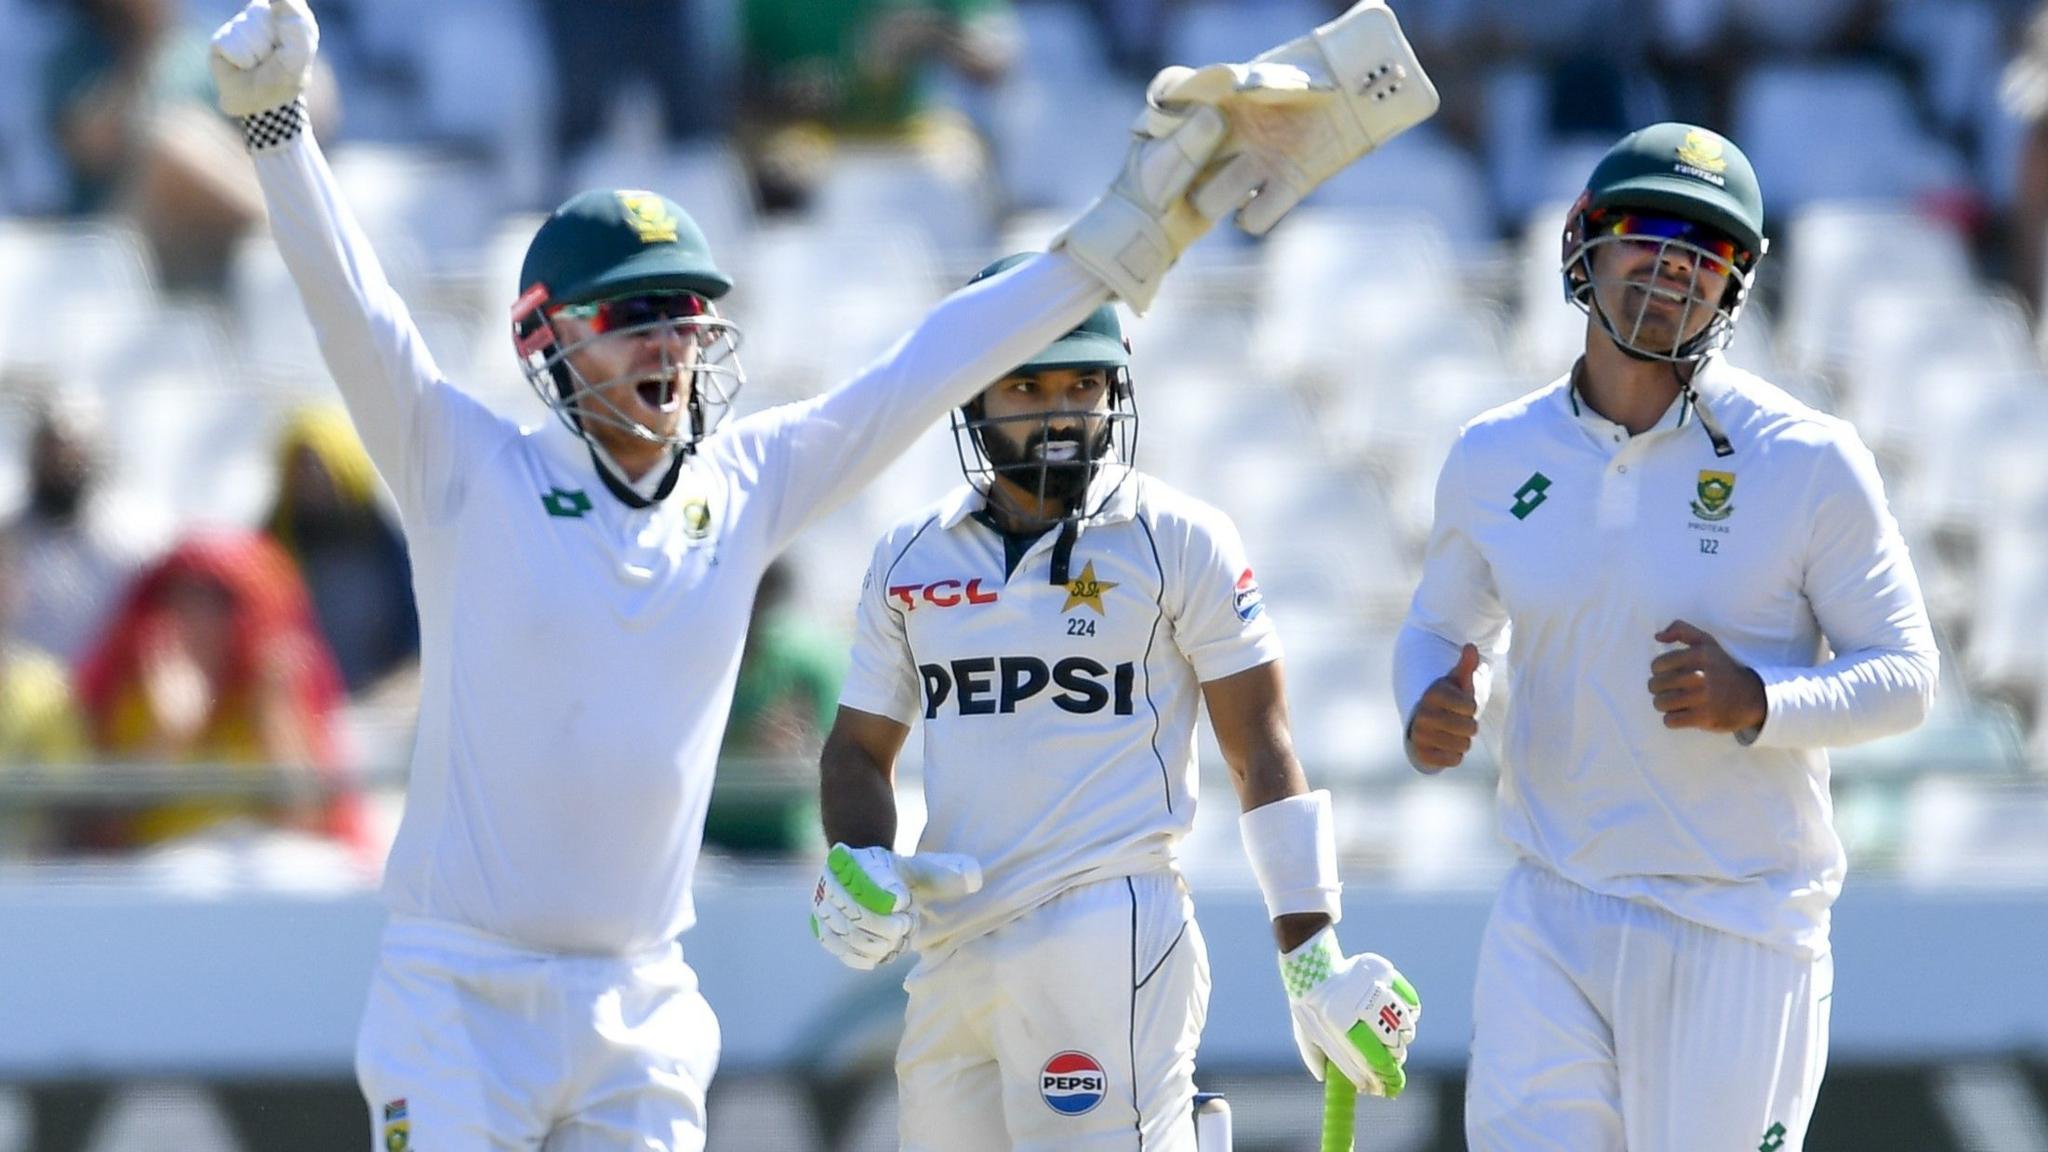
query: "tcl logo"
941, 594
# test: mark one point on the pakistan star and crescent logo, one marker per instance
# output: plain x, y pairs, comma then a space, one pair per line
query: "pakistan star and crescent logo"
1086, 589
649, 218
1714, 489
1702, 150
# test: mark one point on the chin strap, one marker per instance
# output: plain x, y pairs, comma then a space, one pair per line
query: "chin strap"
1063, 554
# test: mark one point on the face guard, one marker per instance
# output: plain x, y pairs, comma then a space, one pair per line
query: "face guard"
1054, 456
1706, 250
707, 379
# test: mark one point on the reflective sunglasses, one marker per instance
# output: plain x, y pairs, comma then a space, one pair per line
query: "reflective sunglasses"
624, 313
1643, 225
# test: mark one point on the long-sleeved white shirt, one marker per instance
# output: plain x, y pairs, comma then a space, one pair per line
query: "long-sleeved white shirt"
578, 655
1588, 541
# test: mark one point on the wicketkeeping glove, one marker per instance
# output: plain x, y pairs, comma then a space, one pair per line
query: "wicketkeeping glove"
1301, 112
1356, 1012
865, 904
262, 57
1136, 229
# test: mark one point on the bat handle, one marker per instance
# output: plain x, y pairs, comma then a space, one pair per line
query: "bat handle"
1340, 1110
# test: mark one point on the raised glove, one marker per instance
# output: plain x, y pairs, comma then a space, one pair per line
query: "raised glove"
1301, 112
1136, 229
262, 57
865, 904
1356, 1012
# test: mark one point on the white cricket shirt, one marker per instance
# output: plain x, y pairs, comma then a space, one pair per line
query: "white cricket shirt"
1059, 720
577, 655
1589, 541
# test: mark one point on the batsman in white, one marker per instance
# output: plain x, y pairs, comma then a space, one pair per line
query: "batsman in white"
584, 585
1055, 625
1705, 589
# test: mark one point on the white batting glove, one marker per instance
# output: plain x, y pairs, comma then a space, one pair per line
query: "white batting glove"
865, 904
262, 57
1136, 229
1355, 1012
1301, 112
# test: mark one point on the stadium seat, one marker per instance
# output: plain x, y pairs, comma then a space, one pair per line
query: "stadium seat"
1321, 262
2008, 648
1061, 42
47, 267
1833, 253
1527, 165
1841, 132
1901, 336
707, 179
442, 204
1058, 140
1211, 30
955, 211
270, 329
1425, 173
809, 321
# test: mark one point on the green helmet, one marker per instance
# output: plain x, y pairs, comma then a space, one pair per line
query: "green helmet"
605, 246
1096, 342
988, 450
1676, 171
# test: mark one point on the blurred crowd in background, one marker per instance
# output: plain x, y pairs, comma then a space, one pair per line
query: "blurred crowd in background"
206, 621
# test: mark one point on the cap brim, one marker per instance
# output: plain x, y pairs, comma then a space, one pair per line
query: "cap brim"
652, 269
1683, 197
1081, 350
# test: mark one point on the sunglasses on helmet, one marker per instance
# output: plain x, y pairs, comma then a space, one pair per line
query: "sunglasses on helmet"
623, 313
1646, 225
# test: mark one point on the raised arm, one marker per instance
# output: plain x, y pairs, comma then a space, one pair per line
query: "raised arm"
408, 418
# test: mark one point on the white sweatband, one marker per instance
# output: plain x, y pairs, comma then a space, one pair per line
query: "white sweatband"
1292, 846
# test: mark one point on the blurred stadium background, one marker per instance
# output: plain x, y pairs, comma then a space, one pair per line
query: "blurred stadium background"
200, 993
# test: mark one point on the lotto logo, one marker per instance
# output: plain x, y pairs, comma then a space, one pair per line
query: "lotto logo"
1072, 1083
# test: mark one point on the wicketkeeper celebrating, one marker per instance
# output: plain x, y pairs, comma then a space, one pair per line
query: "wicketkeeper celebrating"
584, 585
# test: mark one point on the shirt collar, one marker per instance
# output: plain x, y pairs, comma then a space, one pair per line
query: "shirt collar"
567, 450
1709, 384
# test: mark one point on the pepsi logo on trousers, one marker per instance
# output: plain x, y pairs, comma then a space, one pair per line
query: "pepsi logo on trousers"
1072, 1083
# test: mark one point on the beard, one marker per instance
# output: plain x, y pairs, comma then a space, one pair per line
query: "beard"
1063, 480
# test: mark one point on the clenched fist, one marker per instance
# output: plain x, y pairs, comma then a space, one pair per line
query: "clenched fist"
1699, 685
263, 57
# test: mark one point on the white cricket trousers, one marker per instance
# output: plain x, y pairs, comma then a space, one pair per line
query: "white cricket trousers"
470, 1044
1073, 1027
1608, 1025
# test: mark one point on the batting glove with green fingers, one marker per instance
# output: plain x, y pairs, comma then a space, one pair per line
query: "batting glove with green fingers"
866, 902
1355, 1012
